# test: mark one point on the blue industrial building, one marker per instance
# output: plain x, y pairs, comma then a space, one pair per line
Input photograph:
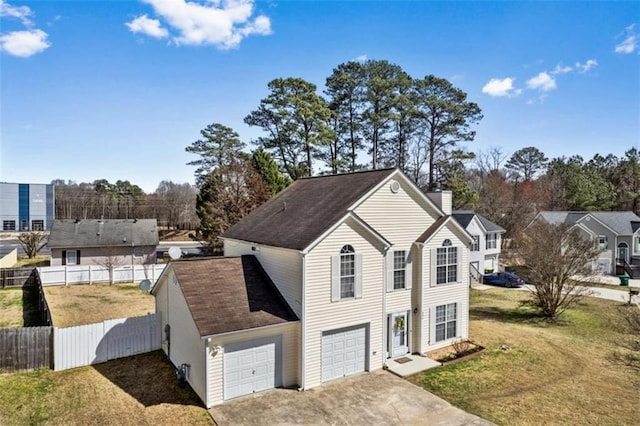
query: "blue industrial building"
26, 206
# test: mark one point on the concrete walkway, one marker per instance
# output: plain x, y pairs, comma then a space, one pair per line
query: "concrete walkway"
377, 398
413, 364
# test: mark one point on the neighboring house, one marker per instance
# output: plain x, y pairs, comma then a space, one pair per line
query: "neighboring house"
616, 234
118, 242
26, 206
484, 253
369, 266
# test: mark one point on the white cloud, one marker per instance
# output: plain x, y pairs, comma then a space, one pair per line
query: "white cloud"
151, 27
24, 43
501, 87
630, 42
591, 63
559, 69
361, 58
542, 81
220, 23
20, 12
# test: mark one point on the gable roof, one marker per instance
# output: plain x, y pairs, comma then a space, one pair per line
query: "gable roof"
100, 233
226, 294
621, 223
464, 217
302, 212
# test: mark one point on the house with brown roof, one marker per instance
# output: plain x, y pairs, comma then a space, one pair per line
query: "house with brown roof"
334, 276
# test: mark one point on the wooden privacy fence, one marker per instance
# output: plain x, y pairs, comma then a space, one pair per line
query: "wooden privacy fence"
17, 277
100, 342
25, 348
89, 274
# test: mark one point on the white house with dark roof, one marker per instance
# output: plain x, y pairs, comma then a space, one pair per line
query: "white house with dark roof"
616, 234
484, 252
90, 241
371, 267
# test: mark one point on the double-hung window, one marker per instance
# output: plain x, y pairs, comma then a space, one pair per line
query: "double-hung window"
446, 321
637, 245
399, 269
446, 265
475, 245
492, 241
72, 257
347, 272
602, 242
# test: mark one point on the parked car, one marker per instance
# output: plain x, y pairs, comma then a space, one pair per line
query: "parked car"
503, 279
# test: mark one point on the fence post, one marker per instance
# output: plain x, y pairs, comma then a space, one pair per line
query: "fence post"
90, 278
66, 280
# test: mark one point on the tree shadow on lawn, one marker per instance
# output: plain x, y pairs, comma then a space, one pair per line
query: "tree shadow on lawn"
150, 378
521, 315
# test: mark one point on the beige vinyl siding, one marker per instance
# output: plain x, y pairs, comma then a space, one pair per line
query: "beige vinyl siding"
283, 266
186, 345
401, 217
444, 293
322, 315
290, 333
416, 297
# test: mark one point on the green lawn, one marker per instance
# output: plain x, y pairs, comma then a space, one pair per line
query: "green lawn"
39, 260
551, 373
18, 307
138, 390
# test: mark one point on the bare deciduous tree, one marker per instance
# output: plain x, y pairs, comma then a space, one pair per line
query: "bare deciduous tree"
554, 254
110, 260
32, 242
629, 351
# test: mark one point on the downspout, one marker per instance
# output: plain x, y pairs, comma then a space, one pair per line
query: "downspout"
385, 321
303, 324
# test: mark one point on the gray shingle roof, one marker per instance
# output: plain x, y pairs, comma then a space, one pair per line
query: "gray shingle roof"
464, 217
623, 223
101, 233
305, 210
227, 294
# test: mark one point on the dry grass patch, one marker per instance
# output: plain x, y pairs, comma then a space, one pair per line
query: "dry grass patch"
138, 390
39, 260
551, 373
88, 304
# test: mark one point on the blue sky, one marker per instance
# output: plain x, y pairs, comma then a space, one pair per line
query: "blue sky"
118, 89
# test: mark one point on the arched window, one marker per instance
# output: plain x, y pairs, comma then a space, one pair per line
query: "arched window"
347, 271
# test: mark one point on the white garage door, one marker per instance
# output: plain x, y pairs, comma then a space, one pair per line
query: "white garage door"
343, 352
252, 366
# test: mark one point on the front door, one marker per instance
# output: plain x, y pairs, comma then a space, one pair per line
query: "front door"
398, 334
623, 252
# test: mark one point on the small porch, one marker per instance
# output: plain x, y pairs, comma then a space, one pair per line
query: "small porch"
410, 364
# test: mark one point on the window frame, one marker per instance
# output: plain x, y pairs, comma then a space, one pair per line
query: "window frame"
37, 225
602, 245
8, 225
347, 259
491, 241
75, 257
448, 252
636, 244
447, 322
475, 245
401, 256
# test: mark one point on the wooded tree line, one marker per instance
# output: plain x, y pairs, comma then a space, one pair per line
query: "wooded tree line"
373, 114
173, 204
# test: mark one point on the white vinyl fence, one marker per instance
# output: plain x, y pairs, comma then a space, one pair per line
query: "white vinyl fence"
89, 274
100, 342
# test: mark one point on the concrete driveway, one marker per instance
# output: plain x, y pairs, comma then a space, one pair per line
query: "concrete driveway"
377, 398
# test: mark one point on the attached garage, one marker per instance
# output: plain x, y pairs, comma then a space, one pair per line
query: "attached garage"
344, 352
252, 366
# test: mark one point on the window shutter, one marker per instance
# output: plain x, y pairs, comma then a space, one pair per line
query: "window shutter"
409, 271
433, 264
432, 325
389, 270
78, 257
335, 278
357, 290
459, 265
64, 257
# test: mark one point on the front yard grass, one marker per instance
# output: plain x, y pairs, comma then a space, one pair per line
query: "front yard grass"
39, 260
87, 304
138, 390
535, 372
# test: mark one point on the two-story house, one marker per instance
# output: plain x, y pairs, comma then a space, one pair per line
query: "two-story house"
484, 256
616, 234
332, 277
